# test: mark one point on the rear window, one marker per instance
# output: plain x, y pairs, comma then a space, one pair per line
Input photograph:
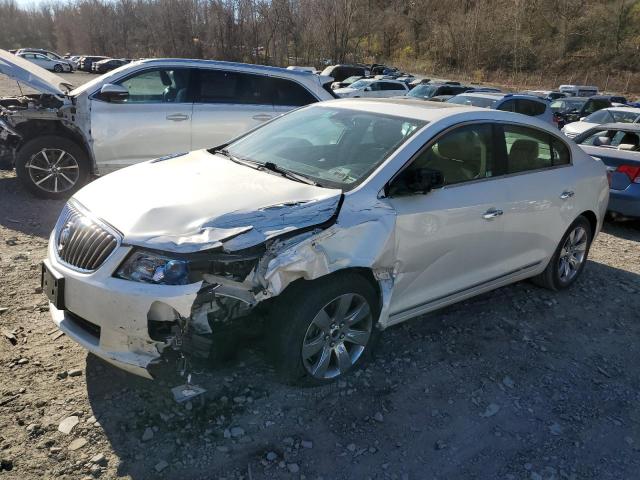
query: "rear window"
472, 100
530, 107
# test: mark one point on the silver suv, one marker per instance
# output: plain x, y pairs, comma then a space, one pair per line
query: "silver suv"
147, 109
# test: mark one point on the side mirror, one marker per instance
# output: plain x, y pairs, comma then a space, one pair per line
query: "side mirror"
113, 93
415, 180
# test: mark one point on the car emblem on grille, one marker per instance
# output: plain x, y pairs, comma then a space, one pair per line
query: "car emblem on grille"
64, 236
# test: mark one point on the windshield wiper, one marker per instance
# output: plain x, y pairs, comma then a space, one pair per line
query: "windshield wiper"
248, 163
288, 173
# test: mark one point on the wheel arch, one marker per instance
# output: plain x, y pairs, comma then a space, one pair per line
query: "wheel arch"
36, 128
593, 221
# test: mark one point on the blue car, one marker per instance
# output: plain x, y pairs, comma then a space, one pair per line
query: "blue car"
618, 146
508, 102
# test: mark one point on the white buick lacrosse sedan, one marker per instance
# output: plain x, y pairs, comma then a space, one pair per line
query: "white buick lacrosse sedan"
319, 230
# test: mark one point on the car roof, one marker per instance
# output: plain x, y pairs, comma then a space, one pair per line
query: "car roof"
218, 63
632, 127
624, 109
427, 111
500, 96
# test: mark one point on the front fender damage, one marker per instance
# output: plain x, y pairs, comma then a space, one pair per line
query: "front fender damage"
350, 238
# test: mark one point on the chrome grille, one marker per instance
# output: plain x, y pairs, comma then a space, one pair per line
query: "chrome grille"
81, 242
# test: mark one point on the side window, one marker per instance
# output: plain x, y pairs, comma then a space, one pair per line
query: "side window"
529, 149
462, 155
289, 93
375, 86
219, 86
158, 86
530, 107
508, 106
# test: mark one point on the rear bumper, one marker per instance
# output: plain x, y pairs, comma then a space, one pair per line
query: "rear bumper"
625, 202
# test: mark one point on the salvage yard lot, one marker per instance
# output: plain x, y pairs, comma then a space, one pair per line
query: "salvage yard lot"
520, 383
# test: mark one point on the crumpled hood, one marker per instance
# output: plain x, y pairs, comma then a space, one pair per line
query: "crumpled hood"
197, 201
31, 74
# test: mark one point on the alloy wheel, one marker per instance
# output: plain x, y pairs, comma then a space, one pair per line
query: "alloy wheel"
337, 336
572, 254
53, 170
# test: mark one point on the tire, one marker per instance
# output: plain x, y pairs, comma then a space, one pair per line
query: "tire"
293, 324
554, 277
57, 68
38, 158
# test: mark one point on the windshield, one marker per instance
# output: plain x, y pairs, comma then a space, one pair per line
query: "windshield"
335, 147
360, 84
474, 101
568, 104
423, 91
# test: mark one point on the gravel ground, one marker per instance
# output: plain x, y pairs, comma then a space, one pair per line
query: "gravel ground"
520, 383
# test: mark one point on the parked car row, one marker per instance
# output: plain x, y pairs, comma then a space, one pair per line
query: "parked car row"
307, 224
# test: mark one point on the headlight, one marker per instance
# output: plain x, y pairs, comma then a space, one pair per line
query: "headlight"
149, 267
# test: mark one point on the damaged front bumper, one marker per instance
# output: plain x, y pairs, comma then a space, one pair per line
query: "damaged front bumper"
132, 324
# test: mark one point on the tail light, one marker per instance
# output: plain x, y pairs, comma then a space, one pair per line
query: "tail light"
631, 171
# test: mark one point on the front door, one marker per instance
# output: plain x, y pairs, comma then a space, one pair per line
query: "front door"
451, 239
153, 121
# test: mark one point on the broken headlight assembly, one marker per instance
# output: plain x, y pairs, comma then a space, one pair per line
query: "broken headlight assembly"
150, 267
147, 266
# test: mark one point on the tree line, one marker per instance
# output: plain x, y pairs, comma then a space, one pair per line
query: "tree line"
477, 39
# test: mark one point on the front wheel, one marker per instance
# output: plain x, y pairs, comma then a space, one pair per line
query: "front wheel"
57, 68
570, 257
52, 166
321, 330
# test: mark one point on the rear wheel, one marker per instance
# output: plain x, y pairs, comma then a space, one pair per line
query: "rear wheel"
324, 329
52, 166
570, 257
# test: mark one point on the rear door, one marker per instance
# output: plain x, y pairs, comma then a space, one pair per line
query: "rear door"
288, 94
227, 104
542, 189
391, 89
155, 119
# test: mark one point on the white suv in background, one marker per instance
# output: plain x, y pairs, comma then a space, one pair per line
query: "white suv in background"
372, 87
143, 110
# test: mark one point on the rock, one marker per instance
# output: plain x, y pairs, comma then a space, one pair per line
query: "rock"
6, 464
67, 424
351, 447
61, 375
76, 372
508, 382
10, 336
161, 465
98, 459
23, 361
147, 435
54, 450
556, 429
441, 445
77, 444
237, 432
306, 444
491, 410
272, 456
378, 417
293, 467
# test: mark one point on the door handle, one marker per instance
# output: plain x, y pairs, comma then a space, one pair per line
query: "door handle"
177, 117
492, 213
262, 117
566, 194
